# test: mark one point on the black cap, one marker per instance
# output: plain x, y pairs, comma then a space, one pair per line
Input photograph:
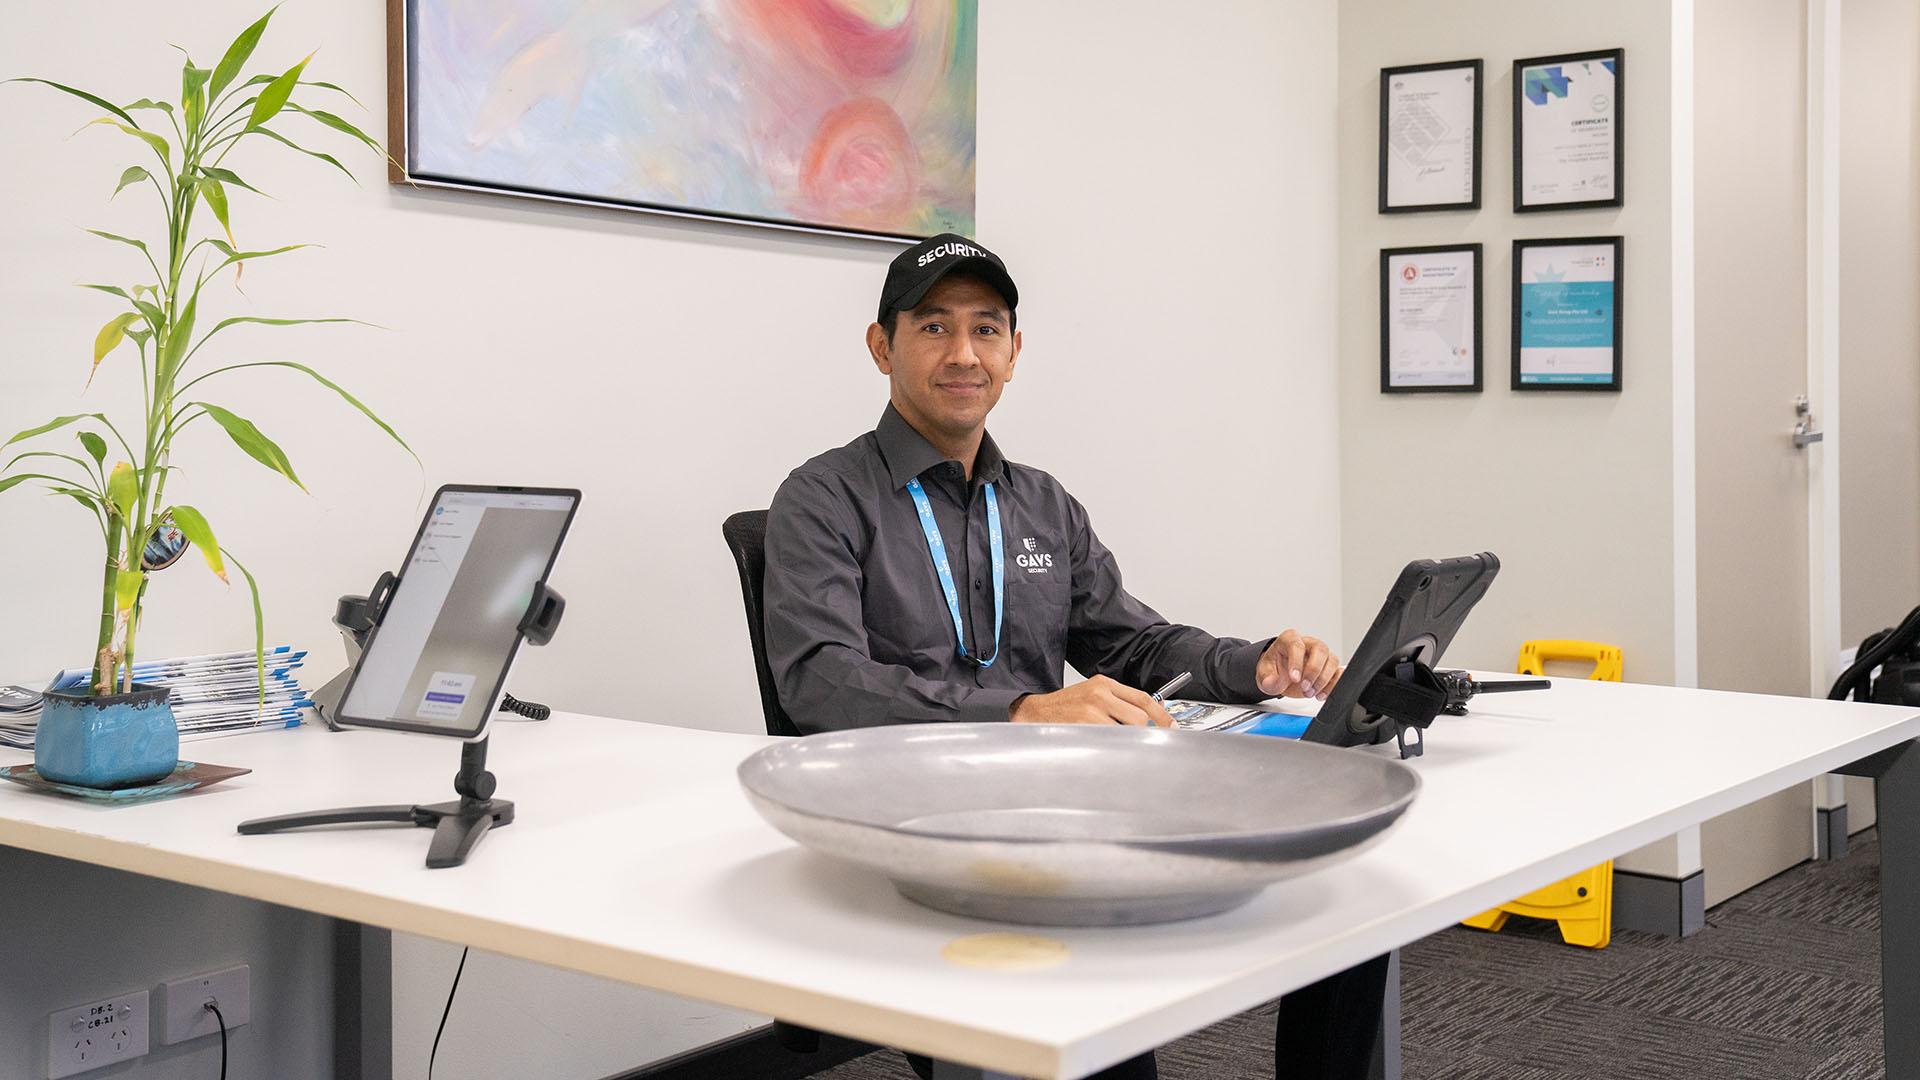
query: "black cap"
915, 271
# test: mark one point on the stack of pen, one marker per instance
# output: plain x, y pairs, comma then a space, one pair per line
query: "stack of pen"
216, 694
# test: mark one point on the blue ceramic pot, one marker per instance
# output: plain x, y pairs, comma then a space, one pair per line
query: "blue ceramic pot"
106, 742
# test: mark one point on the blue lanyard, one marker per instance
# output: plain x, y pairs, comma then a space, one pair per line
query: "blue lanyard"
938, 550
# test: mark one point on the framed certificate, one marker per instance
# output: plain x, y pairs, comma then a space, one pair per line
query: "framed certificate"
1430, 319
1568, 132
1566, 314
1430, 137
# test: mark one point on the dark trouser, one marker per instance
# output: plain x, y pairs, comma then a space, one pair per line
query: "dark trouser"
1326, 1031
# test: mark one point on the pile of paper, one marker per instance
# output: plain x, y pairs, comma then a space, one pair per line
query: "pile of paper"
217, 694
19, 713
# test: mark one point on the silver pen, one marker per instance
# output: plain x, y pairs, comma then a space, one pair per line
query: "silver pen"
1173, 684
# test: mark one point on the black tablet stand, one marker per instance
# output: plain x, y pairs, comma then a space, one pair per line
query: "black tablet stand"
458, 825
1408, 695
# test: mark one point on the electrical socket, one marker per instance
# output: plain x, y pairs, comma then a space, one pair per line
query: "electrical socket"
183, 1004
91, 1036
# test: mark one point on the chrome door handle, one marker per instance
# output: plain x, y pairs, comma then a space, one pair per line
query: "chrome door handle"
1803, 433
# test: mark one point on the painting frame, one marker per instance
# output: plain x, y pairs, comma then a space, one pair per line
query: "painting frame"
1526, 174
1389, 330
1477, 77
1527, 379
404, 140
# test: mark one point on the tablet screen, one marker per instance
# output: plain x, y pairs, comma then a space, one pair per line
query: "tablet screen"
439, 658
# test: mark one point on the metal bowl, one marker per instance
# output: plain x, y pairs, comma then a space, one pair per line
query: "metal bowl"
1072, 825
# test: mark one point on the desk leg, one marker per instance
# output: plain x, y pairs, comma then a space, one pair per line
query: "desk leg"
1386, 1048
362, 1002
1896, 775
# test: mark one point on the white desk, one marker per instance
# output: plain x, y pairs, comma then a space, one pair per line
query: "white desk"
635, 857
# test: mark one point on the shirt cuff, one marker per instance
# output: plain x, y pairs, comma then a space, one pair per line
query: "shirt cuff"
987, 706
1241, 668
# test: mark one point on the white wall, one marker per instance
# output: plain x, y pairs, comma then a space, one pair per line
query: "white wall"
1879, 315
1155, 209
1574, 492
1161, 189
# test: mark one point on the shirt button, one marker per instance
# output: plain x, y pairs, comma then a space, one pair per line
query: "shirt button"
976, 583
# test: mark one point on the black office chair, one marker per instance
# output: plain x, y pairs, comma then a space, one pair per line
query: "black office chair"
746, 536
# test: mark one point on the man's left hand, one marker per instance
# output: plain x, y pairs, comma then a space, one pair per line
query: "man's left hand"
1297, 666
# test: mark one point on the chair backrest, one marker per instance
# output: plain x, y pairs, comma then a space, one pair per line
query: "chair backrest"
746, 536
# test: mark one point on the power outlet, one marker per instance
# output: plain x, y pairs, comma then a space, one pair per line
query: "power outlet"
183, 1004
91, 1036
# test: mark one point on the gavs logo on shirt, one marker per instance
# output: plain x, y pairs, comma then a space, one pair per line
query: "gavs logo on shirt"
1032, 560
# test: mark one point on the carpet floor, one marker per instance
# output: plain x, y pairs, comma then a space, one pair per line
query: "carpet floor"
1784, 984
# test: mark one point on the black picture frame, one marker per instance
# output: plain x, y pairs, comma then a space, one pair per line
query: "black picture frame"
1618, 59
1476, 73
1387, 276
1587, 382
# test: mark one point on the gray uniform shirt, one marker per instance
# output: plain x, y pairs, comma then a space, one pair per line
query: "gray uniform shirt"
858, 630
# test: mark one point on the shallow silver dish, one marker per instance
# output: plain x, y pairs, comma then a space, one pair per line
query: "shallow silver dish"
1075, 825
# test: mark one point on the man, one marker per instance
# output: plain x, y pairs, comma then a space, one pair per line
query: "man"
916, 575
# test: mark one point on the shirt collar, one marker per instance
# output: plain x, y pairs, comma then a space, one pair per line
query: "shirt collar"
908, 453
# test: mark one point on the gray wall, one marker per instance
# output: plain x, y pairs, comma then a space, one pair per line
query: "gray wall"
77, 934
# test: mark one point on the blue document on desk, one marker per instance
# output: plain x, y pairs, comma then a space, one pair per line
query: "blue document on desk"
1240, 719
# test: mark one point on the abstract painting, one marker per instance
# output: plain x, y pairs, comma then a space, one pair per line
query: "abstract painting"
852, 116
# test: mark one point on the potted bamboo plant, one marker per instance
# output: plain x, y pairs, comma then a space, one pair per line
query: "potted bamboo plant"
116, 732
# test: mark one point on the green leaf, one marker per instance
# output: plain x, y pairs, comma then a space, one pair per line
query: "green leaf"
336, 388
124, 240
17, 458
85, 498
216, 199
233, 256
126, 588
133, 175
152, 311
149, 103
226, 176
248, 438
237, 53
259, 625
123, 490
258, 79
17, 477
160, 145
276, 95
224, 323
338, 124
14, 481
81, 94
44, 428
193, 87
201, 535
328, 158
173, 352
110, 335
96, 446
114, 289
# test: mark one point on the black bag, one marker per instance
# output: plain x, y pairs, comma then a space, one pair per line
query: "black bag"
1896, 653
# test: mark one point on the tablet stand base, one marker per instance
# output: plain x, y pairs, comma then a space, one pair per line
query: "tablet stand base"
1407, 695
458, 826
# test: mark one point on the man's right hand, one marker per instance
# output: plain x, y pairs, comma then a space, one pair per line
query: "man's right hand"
1099, 700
